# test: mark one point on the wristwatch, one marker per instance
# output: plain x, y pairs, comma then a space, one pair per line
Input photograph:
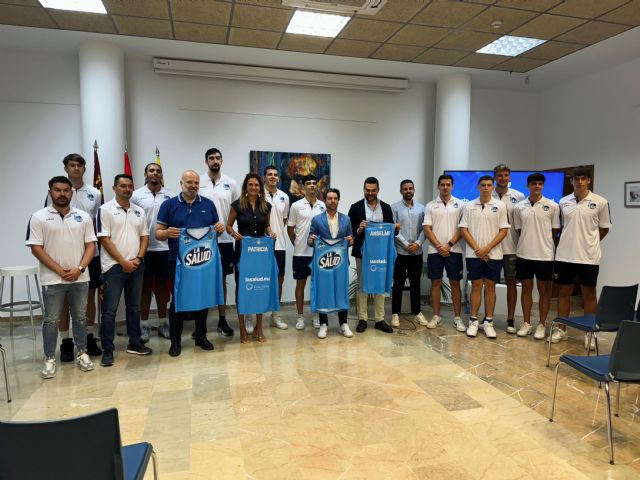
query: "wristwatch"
81, 268
450, 243
141, 259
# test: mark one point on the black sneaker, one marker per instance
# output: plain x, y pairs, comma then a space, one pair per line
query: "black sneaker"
92, 346
66, 350
362, 326
204, 343
138, 349
107, 359
383, 326
175, 348
224, 328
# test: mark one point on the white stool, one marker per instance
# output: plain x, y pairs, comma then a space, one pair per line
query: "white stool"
22, 305
6, 373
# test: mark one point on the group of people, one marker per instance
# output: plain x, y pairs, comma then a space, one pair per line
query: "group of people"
139, 234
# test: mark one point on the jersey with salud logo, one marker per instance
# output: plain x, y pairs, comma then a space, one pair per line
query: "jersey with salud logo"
223, 193
279, 214
300, 217
581, 221
378, 257
443, 218
510, 198
484, 222
198, 279
536, 223
150, 202
257, 276
330, 276
63, 238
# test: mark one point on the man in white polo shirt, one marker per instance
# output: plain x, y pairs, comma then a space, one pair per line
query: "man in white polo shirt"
222, 190
124, 235
279, 213
156, 260
509, 196
61, 237
298, 227
441, 219
537, 220
585, 220
88, 199
484, 225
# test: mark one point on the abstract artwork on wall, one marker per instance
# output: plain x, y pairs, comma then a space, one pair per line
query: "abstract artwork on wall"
292, 167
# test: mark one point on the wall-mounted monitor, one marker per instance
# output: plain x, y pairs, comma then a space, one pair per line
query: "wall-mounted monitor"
465, 183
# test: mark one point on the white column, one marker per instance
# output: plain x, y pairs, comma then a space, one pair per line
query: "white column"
453, 119
102, 105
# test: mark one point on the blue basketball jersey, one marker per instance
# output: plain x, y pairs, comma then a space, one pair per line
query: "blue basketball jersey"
198, 280
378, 257
257, 276
330, 276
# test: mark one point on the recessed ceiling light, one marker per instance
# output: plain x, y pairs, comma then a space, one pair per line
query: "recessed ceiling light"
88, 6
510, 46
316, 24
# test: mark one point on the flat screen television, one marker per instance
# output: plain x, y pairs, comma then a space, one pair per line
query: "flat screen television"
465, 183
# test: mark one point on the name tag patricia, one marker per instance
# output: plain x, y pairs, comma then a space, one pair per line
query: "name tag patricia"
257, 249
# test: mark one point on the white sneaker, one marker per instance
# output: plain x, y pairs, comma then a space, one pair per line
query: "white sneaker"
316, 322
472, 330
540, 332
49, 368
395, 320
276, 321
511, 328
248, 324
421, 320
300, 323
558, 335
460, 326
434, 322
489, 331
525, 330
345, 331
84, 362
586, 342
322, 333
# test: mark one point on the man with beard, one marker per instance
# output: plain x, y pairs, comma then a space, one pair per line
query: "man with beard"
124, 235
156, 260
409, 215
61, 237
222, 190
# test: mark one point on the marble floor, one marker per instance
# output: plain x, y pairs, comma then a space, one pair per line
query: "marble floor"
417, 404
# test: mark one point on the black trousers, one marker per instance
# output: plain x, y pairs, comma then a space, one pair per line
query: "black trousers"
176, 319
342, 317
406, 266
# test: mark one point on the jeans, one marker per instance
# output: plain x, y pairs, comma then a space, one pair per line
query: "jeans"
115, 281
53, 298
411, 266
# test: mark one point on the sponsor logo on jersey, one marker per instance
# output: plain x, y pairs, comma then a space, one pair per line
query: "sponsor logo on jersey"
455, 204
136, 213
257, 279
378, 261
77, 218
513, 200
330, 260
198, 256
592, 205
90, 197
545, 208
226, 186
494, 209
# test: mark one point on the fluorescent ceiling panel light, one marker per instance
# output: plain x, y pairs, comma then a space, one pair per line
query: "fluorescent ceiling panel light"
87, 6
316, 24
510, 46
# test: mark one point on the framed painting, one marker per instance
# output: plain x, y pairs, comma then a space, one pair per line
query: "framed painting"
632, 194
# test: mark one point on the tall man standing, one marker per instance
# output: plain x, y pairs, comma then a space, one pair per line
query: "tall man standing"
124, 236
509, 196
441, 220
278, 220
298, 226
156, 261
537, 220
483, 226
369, 209
409, 215
61, 237
222, 190
88, 199
586, 220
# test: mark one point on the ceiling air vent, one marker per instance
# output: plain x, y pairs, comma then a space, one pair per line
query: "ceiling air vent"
349, 7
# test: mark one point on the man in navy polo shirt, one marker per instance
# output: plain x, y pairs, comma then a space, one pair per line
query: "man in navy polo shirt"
187, 210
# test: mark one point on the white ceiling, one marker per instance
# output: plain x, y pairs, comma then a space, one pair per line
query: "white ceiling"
619, 49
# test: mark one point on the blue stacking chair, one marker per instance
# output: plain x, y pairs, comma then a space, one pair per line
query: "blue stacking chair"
622, 365
615, 305
80, 447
